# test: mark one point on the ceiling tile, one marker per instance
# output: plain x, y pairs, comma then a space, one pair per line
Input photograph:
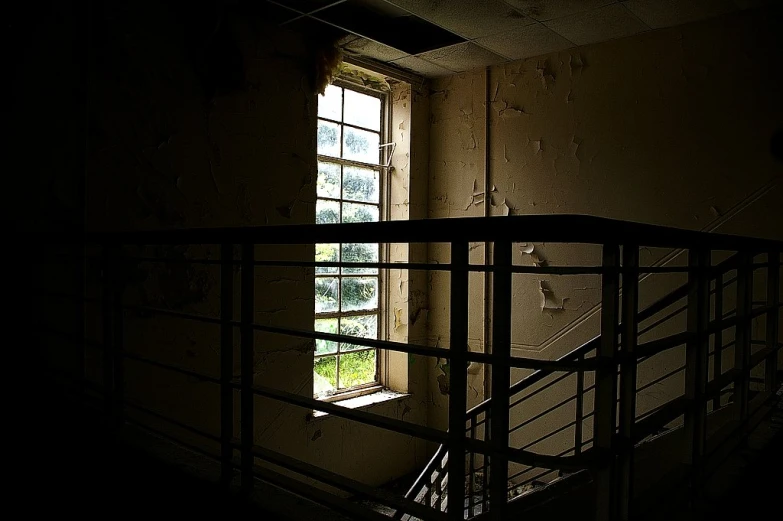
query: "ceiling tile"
524, 42
468, 18
423, 67
406, 32
597, 25
543, 10
375, 50
462, 57
666, 13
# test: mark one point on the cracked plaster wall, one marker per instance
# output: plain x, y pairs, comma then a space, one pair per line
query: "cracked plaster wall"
670, 127
180, 138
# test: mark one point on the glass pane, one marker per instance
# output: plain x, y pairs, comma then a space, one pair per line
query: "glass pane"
359, 293
324, 375
357, 368
330, 103
329, 138
359, 145
364, 326
326, 294
325, 325
327, 212
327, 253
360, 252
362, 110
360, 213
360, 184
328, 180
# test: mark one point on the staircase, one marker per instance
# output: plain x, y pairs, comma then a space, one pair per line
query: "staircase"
587, 429
533, 484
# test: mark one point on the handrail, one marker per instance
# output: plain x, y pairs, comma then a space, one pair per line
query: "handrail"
530, 228
538, 375
648, 312
611, 234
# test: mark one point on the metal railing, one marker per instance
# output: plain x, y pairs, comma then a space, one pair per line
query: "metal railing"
429, 487
490, 464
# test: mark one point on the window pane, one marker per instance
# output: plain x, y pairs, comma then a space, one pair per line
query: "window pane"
364, 326
324, 375
325, 325
360, 252
360, 184
326, 294
327, 253
357, 368
328, 180
327, 212
359, 293
362, 110
329, 138
330, 103
359, 145
360, 213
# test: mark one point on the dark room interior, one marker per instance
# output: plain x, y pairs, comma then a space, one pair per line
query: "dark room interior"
291, 258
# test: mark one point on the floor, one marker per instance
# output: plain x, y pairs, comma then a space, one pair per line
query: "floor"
749, 484
86, 474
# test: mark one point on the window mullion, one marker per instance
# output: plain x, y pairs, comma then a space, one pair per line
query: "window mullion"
340, 314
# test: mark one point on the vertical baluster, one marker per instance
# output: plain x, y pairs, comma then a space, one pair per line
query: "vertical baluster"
472, 468
118, 377
246, 363
501, 377
629, 332
773, 302
717, 359
107, 321
696, 363
742, 334
458, 381
485, 476
604, 420
226, 360
580, 407
438, 494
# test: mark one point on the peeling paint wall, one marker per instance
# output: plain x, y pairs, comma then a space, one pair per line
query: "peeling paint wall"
670, 127
200, 124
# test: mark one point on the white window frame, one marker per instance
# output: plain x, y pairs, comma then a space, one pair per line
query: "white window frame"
385, 153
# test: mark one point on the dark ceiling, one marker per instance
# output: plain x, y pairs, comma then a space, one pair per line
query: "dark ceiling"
442, 37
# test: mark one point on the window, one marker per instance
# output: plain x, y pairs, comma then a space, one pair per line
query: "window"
347, 300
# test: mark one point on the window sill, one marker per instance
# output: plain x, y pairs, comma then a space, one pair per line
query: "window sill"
359, 402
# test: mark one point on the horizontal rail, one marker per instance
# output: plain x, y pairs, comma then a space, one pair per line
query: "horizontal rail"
172, 421
168, 367
322, 497
549, 435
416, 349
654, 347
653, 422
169, 437
660, 379
344, 483
518, 228
585, 460
375, 420
535, 377
542, 413
532, 468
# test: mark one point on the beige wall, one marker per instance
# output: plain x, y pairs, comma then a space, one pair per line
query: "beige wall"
165, 153
670, 127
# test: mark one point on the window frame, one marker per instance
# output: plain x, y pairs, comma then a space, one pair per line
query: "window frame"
383, 169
